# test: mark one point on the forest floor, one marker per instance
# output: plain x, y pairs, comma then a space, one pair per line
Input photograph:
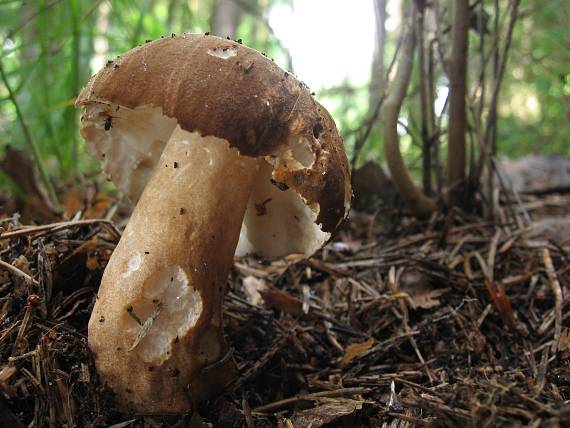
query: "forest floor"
455, 321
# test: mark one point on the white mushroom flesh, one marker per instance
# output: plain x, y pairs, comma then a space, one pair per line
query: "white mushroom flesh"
277, 222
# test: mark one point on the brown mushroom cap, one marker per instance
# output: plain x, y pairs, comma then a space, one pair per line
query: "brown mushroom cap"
220, 88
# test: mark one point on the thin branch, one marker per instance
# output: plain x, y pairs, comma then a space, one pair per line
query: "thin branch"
424, 108
17, 272
557, 291
457, 112
501, 72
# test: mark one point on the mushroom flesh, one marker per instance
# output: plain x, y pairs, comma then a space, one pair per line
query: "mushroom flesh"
223, 153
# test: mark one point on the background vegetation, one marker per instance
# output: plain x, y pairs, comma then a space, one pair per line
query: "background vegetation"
49, 48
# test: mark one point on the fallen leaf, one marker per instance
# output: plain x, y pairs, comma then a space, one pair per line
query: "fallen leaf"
92, 263
502, 303
426, 299
418, 286
281, 300
355, 350
93, 205
326, 413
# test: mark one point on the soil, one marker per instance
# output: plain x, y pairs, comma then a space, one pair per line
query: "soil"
453, 321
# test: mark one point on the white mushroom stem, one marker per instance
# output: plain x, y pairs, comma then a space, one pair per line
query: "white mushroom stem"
156, 328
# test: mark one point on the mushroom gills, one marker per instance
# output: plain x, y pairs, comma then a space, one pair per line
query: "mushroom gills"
131, 148
278, 222
288, 224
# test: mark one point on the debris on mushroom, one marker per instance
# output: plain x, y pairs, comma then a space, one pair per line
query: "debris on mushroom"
223, 153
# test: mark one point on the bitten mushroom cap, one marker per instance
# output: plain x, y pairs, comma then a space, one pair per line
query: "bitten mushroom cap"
215, 144
218, 87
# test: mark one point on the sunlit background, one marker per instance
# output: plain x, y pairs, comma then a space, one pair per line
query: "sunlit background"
329, 42
51, 47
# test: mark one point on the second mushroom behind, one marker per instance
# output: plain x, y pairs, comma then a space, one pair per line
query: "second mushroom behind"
221, 153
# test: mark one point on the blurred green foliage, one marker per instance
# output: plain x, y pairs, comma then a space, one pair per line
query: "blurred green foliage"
535, 103
49, 48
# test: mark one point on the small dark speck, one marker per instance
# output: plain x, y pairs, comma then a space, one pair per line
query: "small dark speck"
175, 164
313, 94
274, 235
261, 208
146, 252
116, 66
119, 348
279, 185
108, 123
102, 319
228, 37
173, 35
207, 33
177, 339
182, 211
318, 130
155, 301
109, 62
150, 368
171, 279
175, 372
166, 165
240, 41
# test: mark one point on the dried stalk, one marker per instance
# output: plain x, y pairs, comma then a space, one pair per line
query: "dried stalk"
418, 202
557, 291
457, 110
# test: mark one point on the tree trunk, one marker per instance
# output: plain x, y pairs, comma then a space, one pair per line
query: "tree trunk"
378, 80
225, 18
457, 111
424, 103
419, 204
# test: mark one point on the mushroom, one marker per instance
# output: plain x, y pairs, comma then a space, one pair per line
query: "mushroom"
223, 153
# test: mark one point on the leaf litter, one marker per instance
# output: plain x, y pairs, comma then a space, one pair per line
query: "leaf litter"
440, 323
